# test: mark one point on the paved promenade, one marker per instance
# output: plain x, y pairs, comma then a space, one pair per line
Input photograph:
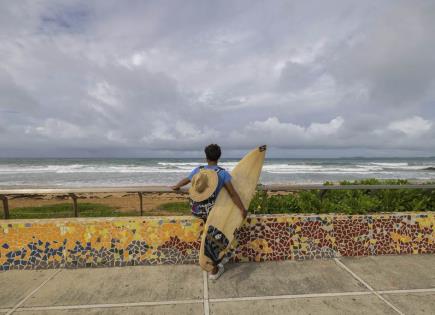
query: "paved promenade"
370, 285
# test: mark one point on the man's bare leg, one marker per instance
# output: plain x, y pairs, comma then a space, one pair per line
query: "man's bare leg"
215, 270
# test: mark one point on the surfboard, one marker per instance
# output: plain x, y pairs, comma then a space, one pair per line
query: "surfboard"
225, 217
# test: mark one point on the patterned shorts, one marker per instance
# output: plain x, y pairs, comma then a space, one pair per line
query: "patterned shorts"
203, 208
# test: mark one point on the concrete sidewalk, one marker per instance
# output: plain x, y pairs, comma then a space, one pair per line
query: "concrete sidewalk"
369, 285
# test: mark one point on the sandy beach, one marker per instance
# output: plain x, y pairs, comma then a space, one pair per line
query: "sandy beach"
124, 202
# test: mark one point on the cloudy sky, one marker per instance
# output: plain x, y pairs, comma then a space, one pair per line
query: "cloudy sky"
164, 78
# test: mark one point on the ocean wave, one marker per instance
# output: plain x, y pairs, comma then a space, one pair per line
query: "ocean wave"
385, 164
179, 167
404, 166
324, 169
194, 164
65, 169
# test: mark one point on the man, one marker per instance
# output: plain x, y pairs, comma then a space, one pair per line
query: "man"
207, 182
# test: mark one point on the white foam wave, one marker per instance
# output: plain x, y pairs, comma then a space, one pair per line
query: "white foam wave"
324, 169
186, 167
194, 164
161, 167
402, 166
385, 164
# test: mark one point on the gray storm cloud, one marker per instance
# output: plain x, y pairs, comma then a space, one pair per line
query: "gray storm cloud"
133, 78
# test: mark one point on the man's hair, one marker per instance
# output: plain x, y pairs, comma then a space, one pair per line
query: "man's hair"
212, 152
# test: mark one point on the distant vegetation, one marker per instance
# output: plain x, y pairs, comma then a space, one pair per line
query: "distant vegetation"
347, 201
337, 201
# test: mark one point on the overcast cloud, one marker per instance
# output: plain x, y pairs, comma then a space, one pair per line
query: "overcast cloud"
149, 78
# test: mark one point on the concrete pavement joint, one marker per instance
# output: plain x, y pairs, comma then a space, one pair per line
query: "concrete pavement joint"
218, 300
175, 302
114, 305
206, 300
291, 296
33, 292
343, 266
406, 291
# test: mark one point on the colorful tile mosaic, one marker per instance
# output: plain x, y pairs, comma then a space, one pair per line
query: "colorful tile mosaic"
104, 242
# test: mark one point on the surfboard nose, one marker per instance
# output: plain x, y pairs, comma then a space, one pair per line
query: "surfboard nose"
262, 148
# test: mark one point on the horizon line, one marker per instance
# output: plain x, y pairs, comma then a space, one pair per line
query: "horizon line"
232, 157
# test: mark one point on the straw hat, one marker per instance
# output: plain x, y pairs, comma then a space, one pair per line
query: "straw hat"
204, 184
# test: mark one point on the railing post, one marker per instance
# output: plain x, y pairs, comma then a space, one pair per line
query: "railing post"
141, 203
5, 206
75, 207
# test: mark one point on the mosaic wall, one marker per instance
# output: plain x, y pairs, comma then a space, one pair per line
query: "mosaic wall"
71, 243
327, 236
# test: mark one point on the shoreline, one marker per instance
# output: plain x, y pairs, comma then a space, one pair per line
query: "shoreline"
416, 181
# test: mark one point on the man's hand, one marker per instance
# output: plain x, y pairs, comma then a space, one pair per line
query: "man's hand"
244, 213
180, 184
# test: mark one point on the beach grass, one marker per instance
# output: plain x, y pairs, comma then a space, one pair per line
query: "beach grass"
336, 201
347, 201
182, 207
65, 210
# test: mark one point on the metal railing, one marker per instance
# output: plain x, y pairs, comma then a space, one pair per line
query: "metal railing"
71, 192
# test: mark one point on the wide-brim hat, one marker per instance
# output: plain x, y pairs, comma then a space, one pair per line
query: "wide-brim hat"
204, 184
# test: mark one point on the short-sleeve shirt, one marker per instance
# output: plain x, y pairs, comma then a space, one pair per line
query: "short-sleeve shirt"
223, 176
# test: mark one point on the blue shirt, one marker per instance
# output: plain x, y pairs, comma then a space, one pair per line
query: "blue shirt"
223, 176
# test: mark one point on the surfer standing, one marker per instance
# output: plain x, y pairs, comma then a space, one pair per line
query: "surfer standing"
207, 181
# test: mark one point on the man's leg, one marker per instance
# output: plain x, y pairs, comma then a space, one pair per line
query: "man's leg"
215, 266
216, 272
229, 252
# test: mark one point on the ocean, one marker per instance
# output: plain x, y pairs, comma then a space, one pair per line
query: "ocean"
107, 172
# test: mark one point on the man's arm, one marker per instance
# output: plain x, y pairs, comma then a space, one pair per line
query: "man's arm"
236, 198
181, 183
